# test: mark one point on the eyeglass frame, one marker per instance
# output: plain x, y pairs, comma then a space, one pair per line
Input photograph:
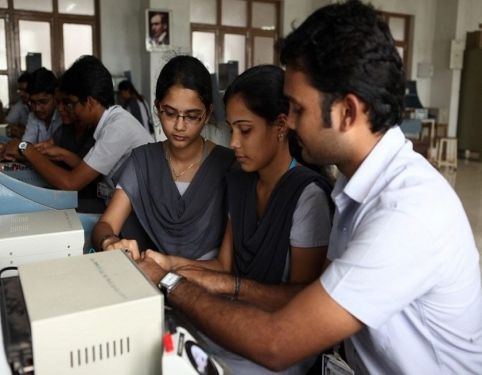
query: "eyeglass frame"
159, 110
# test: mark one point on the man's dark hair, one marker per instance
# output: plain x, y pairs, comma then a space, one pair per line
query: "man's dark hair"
23, 78
188, 72
347, 48
42, 81
88, 77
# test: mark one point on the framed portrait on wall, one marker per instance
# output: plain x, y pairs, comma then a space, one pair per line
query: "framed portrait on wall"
158, 29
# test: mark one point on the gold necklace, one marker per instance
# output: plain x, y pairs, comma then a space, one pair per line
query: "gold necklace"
176, 175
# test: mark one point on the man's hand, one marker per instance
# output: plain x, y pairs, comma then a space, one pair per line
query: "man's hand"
3, 146
43, 146
213, 281
11, 151
151, 269
53, 153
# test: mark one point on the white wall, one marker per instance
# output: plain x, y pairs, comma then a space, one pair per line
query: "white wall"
436, 23
122, 31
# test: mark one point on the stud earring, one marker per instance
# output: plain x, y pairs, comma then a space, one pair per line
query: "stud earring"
280, 137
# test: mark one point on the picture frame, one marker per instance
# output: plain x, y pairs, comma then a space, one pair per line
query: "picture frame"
158, 29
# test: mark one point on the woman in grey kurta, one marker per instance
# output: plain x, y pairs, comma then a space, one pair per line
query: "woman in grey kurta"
171, 195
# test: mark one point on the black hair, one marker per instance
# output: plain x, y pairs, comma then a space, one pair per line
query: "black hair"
127, 85
24, 77
347, 48
261, 89
188, 72
42, 80
89, 77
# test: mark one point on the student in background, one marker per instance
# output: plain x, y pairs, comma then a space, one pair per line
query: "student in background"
17, 115
135, 104
173, 190
73, 141
89, 96
44, 120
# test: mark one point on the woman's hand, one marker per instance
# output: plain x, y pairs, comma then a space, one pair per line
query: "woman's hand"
161, 259
129, 245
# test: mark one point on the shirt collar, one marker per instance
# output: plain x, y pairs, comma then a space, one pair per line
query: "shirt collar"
358, 187
103, 120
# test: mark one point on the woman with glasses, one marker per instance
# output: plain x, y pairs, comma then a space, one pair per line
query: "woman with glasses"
171, 195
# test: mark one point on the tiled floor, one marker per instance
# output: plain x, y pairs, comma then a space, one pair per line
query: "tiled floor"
467, 181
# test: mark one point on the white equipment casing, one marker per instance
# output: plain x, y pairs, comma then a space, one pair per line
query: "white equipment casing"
35, 236
93, 314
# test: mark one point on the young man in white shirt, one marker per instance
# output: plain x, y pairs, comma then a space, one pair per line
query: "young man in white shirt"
403, 281
90, 97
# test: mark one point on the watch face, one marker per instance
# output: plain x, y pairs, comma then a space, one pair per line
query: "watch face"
170, 279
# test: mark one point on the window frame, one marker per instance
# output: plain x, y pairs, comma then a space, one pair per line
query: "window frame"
248, 31
407, 42
56, 20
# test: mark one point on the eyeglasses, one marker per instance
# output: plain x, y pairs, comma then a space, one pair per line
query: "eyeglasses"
171, 115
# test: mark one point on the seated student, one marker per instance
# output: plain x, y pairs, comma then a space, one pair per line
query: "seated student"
73, 141
280, 220
18, 113
175, 188
90, 97
44, 120
135, 104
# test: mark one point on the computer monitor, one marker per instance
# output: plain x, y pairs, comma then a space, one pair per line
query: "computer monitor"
227, 73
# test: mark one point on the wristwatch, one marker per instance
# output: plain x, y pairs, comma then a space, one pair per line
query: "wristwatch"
22, 146
169, 282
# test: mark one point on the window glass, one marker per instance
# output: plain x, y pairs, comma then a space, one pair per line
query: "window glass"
203, 11
235, 50
203, 48
264, 16
85, 7
77, 42
234, 13
397, 27
263, 50
4, 90
400, 51
39, 5
35, 37
3, 46
3, 4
